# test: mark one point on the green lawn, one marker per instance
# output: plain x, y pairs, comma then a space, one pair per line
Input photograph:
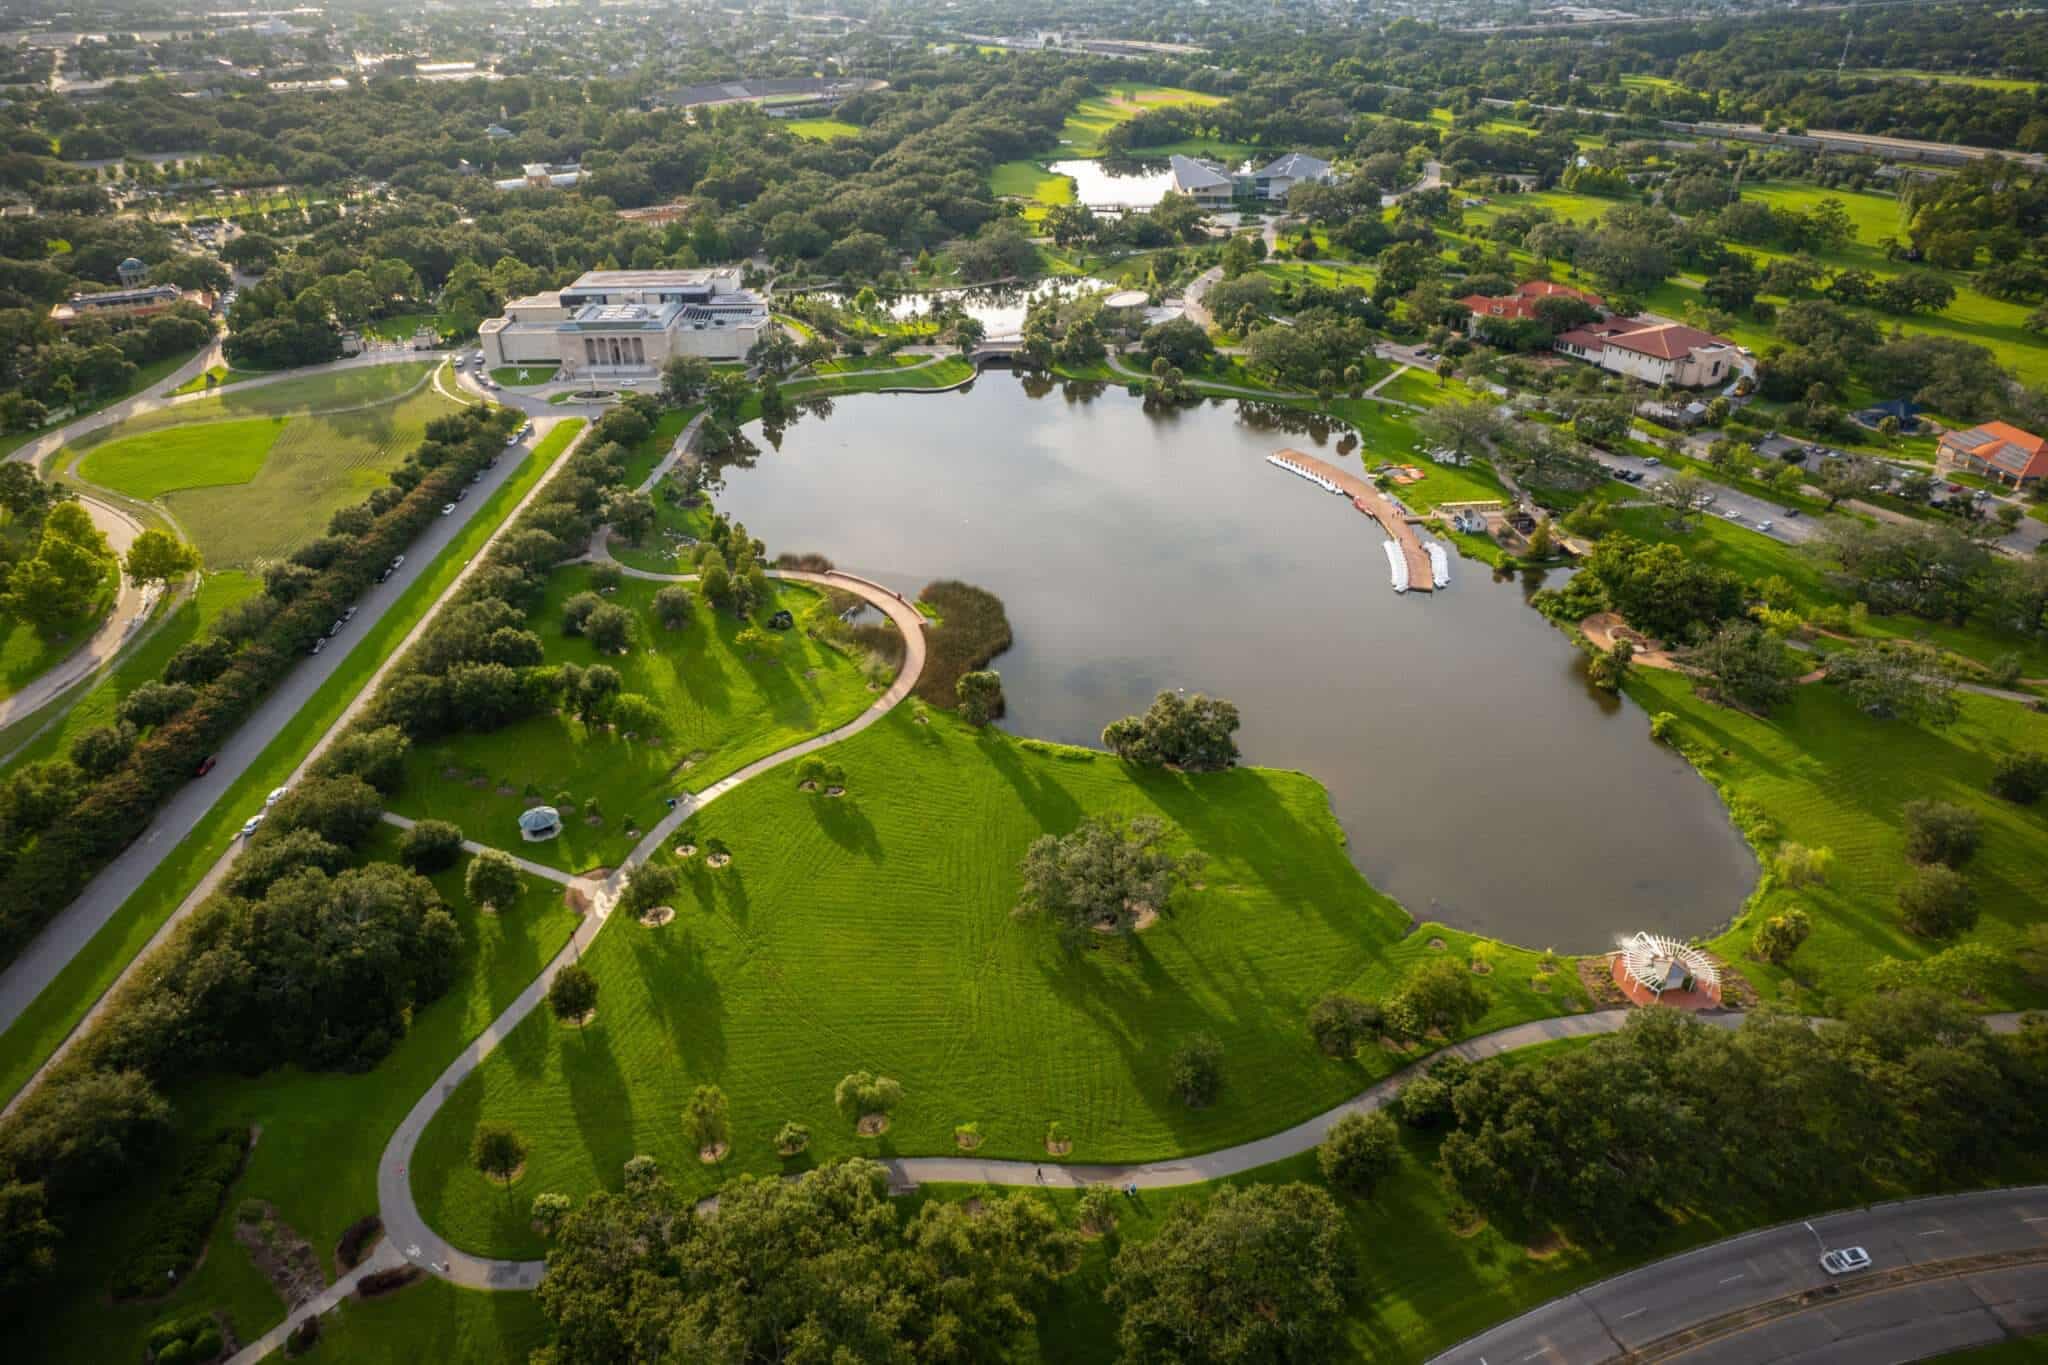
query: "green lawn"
27, 652
1031, 181
725, 708
142, 663
248, 488
153, 373
28, 1042
1821, 773
325, 1125
876, 931
214, 378
822, 129
1081, 135
400, 326
524, 376
1941, 77
431, 1320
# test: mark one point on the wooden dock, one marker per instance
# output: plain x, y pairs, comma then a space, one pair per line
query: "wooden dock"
1375, 504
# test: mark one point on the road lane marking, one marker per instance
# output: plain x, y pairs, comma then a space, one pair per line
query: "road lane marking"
2042, 1218
1731, 1279
1638, 1313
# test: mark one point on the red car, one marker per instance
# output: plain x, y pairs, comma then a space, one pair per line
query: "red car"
206, 765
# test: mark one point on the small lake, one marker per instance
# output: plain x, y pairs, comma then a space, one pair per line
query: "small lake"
1096, 185
1479, 779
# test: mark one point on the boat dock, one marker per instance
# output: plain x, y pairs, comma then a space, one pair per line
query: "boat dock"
1421, 573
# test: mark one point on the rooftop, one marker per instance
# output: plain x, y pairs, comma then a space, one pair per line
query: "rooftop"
1190, 175
1297, 166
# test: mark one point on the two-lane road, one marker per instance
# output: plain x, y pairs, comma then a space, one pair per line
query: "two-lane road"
1763, 1297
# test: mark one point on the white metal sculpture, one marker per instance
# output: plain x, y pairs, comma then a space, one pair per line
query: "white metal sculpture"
1660, 964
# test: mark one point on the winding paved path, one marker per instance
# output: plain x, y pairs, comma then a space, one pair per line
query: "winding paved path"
403, 1224
132, 606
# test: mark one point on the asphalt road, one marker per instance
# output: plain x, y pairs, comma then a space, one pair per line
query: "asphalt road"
68, 933
1857, 1318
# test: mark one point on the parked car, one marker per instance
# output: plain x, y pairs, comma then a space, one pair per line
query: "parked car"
276, 795
335, 629
318, 645
1732, 514
249, 825
1652, 461
461, 493
1845, 1260
206, 765
447, 509
1791, 511
350, 614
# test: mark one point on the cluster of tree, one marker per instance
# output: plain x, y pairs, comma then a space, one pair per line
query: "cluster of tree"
731, 574
1440, 998
63, 562
1192, 733
1659, 590
821, 1266
61, 821
1063, 331
47, 368
1825, 347
1613, 1141
1935, 570
1173, 220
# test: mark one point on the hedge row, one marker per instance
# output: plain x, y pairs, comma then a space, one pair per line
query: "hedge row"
180, 1224
44, 874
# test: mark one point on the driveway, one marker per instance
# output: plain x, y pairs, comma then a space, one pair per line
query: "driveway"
1947, 1274
1750, 510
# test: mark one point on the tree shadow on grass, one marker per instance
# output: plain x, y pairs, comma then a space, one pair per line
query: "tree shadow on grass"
846, 825
600, 1101
1050, 804
684, 997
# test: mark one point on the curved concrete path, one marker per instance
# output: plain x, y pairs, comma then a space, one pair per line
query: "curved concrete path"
132, 606
404, 1226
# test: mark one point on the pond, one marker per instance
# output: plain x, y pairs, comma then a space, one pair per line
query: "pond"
1478, 778
1098, 187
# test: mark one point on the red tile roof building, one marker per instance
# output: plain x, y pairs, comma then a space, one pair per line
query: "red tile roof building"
1520, 306
1997, 450
1654, 352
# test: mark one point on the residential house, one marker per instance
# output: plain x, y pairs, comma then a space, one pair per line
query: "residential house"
1996, 450
1201, 182
1653, 352
1274, 181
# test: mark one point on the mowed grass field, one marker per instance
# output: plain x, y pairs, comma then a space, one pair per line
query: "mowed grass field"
1081, 135
251, 475
725, 707
1819, 772
822, 129
877, 931
317, 1158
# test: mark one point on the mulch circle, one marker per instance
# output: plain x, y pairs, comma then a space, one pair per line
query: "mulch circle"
580, 1021
1437, 945
713, 1154
686, 850
1060, 1148
718, 860
967, 1142
657, 916
872, 1125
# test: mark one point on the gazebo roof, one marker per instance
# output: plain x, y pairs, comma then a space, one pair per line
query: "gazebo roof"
1661, 964
539, 818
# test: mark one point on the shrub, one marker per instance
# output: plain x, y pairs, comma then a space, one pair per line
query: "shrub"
578, 610
1941, 832
606, 577
154, 703
430, 846
379, 1282
1361, 1151
1340, 1022
2021, 778
975, 630
862, 1092
1797, 865
609, 628
182, 1219
497, 1152
652, 884
304, 1337
1936, 902
1427, 1101
791, 1138
1095, 1211
1779, 936
1664, 727
672, 606
980, 694
1195, 1071
493, 879
548, 1212
355, 1238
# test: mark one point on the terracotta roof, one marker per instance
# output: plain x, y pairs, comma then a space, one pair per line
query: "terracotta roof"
1666, 341
1522, 303
2019, 453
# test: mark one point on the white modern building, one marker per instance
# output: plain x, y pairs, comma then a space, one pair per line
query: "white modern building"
1274, 180
628, 322
1200, 181
1654, 352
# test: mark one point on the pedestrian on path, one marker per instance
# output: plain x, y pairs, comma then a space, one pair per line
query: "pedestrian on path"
1041, 1175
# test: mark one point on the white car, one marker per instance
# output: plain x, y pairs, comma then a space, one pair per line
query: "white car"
447, 509
249, 825
276, 795
1732, 514
1845, 1260
1763, 526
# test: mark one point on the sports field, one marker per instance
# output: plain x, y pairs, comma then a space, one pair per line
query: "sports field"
250, 474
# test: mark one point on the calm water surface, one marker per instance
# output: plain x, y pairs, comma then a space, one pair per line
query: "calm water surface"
1096, 186
1478, 778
